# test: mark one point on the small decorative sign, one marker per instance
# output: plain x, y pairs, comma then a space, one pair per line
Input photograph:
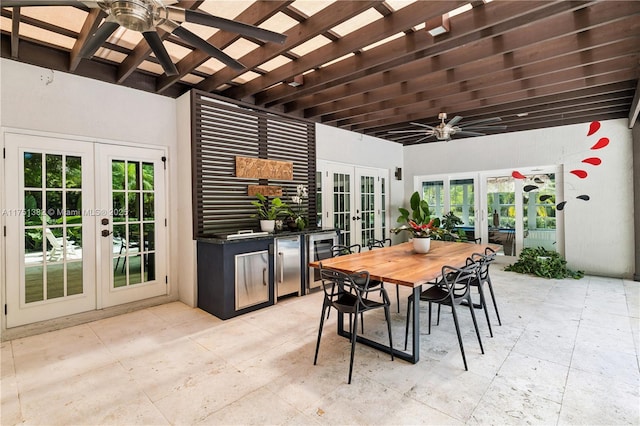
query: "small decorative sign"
259, 168
266, 190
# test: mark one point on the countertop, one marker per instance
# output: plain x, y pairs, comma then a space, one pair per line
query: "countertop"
270, 236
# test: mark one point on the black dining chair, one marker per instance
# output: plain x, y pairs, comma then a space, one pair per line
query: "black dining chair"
485, 259
373, 243
341, 249
452, 290
345, 296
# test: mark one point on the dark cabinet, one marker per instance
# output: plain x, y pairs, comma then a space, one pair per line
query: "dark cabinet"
235, 277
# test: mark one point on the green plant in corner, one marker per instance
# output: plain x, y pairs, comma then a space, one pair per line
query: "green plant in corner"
269, 211
543, 263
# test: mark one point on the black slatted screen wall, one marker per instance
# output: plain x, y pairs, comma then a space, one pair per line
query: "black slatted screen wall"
222, 130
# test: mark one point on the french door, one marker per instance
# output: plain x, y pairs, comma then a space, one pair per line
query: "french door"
354, 200
515, 209
61, 250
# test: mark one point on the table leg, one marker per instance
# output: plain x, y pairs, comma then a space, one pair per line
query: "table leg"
416, 323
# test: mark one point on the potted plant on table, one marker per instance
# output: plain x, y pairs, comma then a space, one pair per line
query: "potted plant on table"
269, 212
418, 223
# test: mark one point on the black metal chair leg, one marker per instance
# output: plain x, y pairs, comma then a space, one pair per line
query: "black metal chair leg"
398, 297
483, 303
429, 318
354, 332
315, 358
455, 321
475, 324
493, 299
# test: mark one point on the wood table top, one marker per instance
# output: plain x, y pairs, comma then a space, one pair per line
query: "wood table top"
401, 265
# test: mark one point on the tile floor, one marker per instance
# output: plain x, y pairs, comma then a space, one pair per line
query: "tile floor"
567, 353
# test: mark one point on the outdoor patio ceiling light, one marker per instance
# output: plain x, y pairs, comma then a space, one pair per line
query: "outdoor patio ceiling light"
438, 25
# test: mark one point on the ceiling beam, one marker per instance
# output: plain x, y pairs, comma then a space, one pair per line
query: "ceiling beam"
470, 100
520, 43
469, 27
15, 32
489, 73
635, 107
321, 22
380, 29
89, 27
255, 14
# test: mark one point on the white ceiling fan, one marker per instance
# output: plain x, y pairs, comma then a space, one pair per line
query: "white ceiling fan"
444, 131
147, 16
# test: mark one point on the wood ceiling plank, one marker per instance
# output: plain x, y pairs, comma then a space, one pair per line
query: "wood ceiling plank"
319, 23
469, 27
535, 35
382, 28
15, 32
635, 107
469, 101
89, 27
255, 14
523, 66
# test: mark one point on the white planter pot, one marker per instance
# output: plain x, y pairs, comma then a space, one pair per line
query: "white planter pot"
267, 225
421, 245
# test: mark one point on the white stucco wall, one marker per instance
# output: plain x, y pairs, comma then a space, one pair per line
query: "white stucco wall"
40, 100
598, 233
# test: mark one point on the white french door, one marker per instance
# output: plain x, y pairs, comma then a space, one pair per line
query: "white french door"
132, 245
354, 200
513, 209
57, 261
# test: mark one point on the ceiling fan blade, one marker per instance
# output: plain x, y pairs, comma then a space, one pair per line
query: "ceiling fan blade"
155, 42
202, 18
98, 38
467, 133
455, 120
26, 3
201, 44
423, 125
482, 121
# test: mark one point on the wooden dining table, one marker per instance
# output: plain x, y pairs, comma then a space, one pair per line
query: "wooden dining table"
401, 265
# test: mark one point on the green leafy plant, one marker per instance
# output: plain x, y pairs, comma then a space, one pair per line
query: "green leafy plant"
266, 210
543, 263
418, 222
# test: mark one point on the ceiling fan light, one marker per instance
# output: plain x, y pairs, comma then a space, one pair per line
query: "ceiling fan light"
438, 25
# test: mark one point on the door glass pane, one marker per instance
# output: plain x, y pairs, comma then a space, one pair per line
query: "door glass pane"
32, 170
54, 171
117, 175
501, 211
342, 208
461, 201
73, 172
73, 210
384, 208
53, 206
133, 175
135, 269
433, 194
74, 278
34, 265
319, 199
33, 208
119, 207
539, 204
55, 281
367, 211
147, 176
148, 206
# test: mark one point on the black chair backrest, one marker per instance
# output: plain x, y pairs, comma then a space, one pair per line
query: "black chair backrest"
484, 260
341, 250
336, 284
457, 280
373, 243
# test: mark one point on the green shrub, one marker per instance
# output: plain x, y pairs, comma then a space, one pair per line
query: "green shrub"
543, 263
